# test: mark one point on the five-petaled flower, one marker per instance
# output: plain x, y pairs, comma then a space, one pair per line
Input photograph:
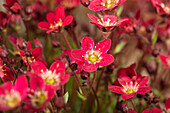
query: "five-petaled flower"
128, 88
31, 55
98, 5
5, 73
165, 60
106, 23
12, 96
54, 76
161, 8
39, 94
55, 20
13, 6
91, 57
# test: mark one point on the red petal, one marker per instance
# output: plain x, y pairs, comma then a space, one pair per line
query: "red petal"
94, 18
50, 17
7, 86
78, 54
95, 5
59, 13
38, 67
67, 20
51, 91
90, 67
87, 44
116, 89
167, 103
143, 89
58, 67
64, 78
21, 85
127, 96
36, 82
144, 81
44, 25
124, 79
103, 46
36, 53
106, 60
29, 45
9, 75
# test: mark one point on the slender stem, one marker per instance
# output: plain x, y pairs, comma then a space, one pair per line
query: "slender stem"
51, 107
5, 38
97, 100
73, 93
132, 102
78, 82
94, 77
82, 106
100, 78
67, 42
26, 26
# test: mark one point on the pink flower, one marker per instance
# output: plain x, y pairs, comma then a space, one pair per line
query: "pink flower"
5, 73
69, 4
13, 6
39, 95
55, 20
4, 20
34, 54
106, 23
128, 88
161, 8
98, 5
153, 110
54, 76
12, 96
93, 57
167, 105
165, 60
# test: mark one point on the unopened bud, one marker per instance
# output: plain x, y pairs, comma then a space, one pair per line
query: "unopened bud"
85, 84
85, 75
56, 44
155, 52
22, 44
59, 102
73, 66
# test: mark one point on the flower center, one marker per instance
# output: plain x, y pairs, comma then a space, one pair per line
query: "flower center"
51, 77
56, 24
105, 23
28, 59
10, 99
130, 88
168, 61
38, 98
109, 3
93, 56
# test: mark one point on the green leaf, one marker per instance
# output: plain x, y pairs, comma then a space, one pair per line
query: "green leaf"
66, 97
154, 37
119, 10
119, 47
81, 96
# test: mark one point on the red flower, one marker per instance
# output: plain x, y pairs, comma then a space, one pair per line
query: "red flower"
106, 23
39, 95
153, 110
54, 76
4, 20
98, 5
160, 7
91, 57
165, 60
167, 105
34, 54
5, 73
12, 96
55, 20
79, 63
129, 87
13, 6
69, 4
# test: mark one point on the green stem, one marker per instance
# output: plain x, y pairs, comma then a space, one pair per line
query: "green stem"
66, 40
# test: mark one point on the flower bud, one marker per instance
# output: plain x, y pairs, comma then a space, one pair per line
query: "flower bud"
56, 44
73, 66
21, 44
86, 3
3, 52
85, 84
59, 102
155, 52
85, 75
156, 100
38, 43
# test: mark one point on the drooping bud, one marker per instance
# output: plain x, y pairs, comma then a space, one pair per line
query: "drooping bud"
85, 84
3, 52
155, 52
38, 43
74, 66
21, 44
59, 102
85, 75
